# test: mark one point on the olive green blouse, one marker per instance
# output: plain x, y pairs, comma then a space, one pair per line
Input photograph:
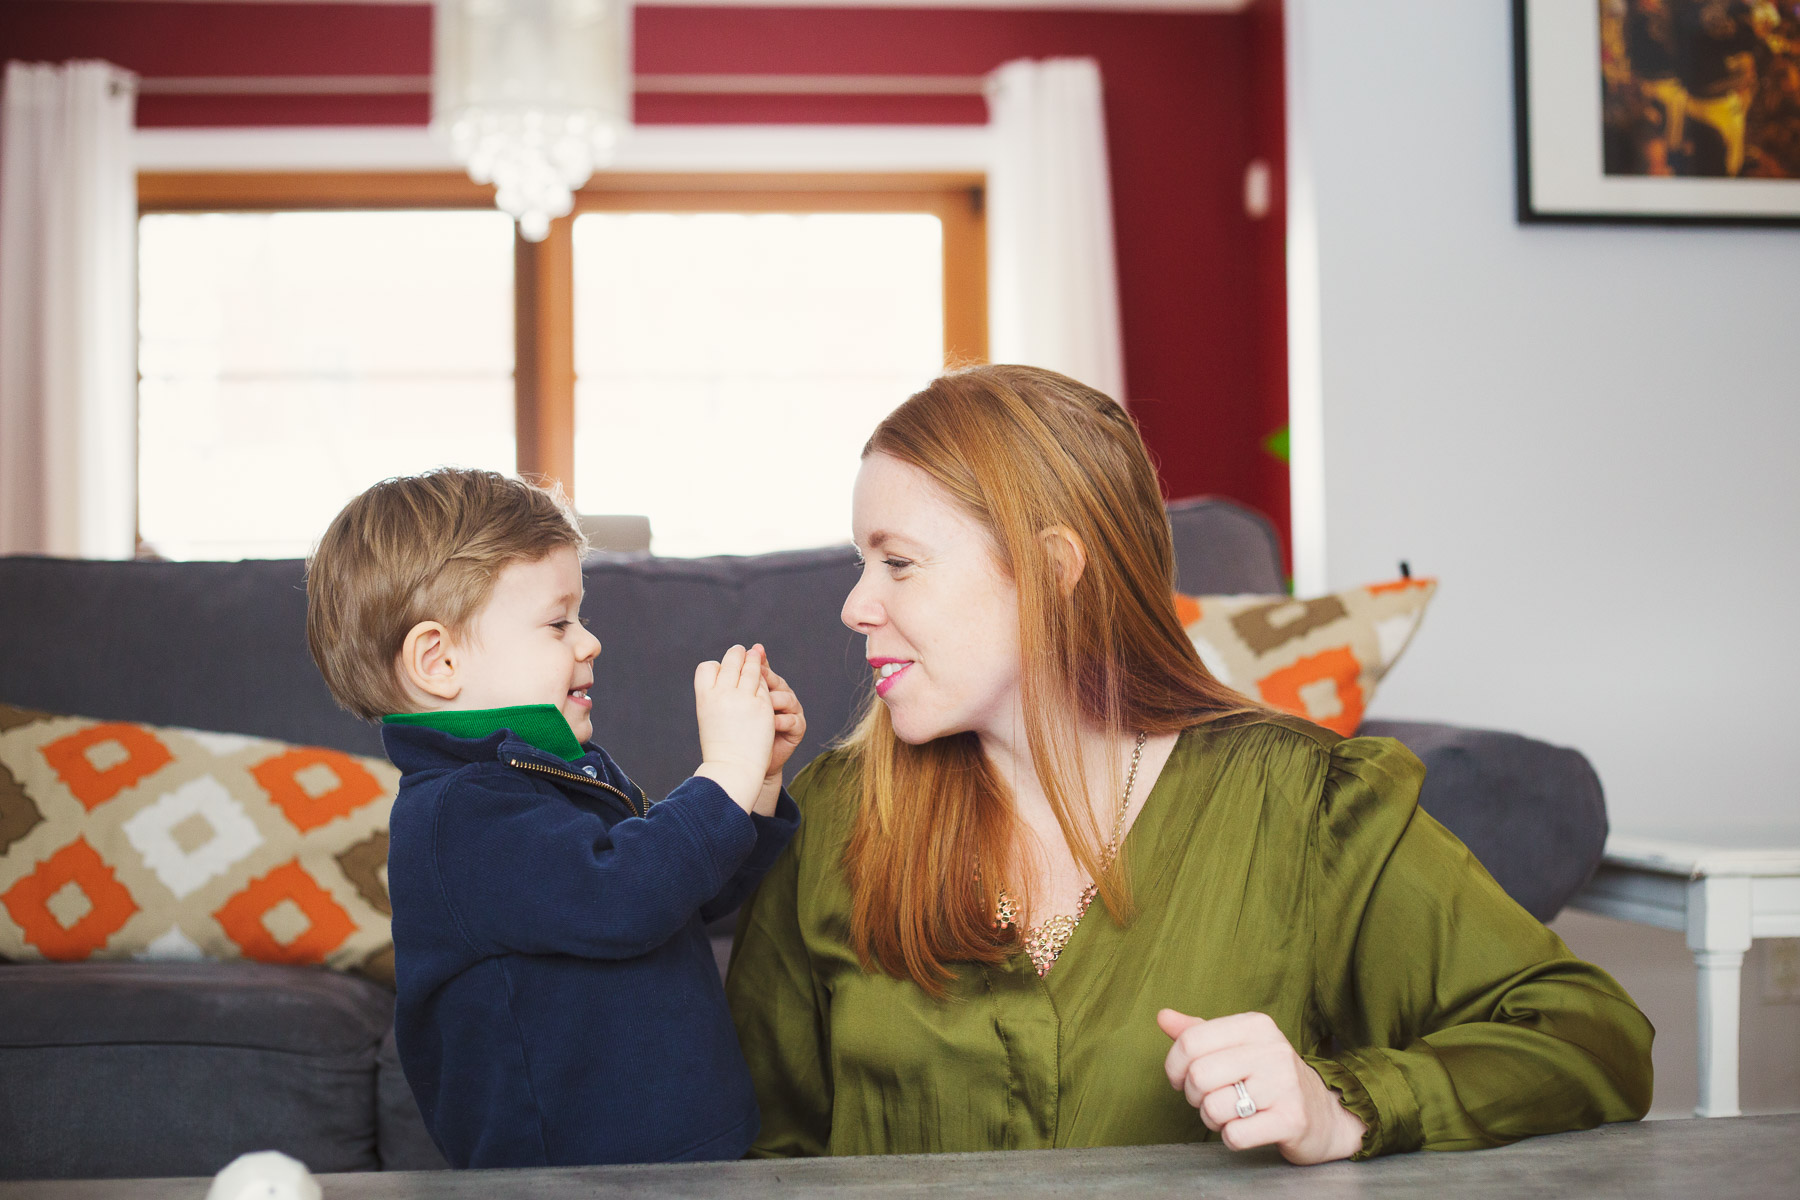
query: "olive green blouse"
1276, 868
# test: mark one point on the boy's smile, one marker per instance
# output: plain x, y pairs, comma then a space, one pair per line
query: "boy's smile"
527, 645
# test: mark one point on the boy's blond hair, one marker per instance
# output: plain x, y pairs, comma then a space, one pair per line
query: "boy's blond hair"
418, 548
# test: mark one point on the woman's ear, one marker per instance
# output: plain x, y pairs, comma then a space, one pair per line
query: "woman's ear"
1067, 554
428, 662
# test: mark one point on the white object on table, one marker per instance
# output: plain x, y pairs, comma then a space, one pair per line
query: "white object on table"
1721, 898
264, 1175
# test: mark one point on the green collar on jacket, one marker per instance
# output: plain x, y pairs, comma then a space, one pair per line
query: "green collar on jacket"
541, 725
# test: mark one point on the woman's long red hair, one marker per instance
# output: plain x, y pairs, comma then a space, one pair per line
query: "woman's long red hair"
1021, 451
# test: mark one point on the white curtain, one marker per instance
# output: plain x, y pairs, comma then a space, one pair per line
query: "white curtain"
1053, 291
68, 338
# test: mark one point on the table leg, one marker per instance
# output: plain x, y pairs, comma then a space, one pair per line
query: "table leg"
1718, 933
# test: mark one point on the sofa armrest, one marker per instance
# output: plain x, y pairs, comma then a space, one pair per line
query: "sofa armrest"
1533, 814
134, 1069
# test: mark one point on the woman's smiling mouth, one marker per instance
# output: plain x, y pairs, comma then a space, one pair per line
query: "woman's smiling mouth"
888, 672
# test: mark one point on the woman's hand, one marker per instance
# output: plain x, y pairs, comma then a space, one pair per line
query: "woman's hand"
1295, 1111
790, 728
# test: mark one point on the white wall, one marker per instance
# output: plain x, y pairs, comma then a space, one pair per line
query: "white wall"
1587, 433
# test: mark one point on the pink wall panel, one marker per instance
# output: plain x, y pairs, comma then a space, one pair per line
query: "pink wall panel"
1191, 98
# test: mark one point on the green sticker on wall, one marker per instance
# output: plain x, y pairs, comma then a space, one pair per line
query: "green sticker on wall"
1277, 443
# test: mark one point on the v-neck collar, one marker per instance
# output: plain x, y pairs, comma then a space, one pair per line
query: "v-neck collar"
1175, 764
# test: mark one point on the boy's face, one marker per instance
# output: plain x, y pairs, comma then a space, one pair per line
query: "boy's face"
528, 645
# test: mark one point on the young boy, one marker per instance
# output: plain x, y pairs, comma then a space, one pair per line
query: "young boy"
558, 1001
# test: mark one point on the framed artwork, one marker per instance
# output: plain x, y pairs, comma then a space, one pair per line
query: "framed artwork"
1658, 111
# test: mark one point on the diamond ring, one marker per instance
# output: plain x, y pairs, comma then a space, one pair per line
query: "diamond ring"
1246, 1107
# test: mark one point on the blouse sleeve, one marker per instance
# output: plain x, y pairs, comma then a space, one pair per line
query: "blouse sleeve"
1459, 1020
779, 1008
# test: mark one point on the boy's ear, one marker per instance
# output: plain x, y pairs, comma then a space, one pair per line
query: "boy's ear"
428, 661
1067, 553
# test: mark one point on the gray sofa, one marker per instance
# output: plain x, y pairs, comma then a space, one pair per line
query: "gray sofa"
140, 1069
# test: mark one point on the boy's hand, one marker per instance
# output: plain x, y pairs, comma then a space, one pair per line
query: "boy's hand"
737, 724
790, 728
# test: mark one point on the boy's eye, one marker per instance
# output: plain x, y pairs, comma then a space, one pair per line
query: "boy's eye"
559, 626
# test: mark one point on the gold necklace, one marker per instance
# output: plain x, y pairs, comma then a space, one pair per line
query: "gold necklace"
1044, 942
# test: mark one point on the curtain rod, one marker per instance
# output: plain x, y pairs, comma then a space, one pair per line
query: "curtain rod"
683, 85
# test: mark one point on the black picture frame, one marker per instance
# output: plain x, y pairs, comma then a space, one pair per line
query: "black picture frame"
1557, 115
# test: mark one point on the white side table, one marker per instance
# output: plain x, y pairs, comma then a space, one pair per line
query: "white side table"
1722, 897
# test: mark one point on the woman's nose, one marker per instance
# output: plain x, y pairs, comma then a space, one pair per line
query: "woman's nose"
862, 612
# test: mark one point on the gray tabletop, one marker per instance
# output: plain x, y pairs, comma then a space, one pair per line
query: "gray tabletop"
1743, 1156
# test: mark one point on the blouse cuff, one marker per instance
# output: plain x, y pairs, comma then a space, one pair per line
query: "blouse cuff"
1374, 1089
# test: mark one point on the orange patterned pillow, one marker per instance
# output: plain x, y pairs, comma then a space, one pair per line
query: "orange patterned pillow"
1319, 659
120, 840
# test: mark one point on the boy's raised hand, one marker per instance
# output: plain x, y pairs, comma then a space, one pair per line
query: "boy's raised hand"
790, 728
737, 723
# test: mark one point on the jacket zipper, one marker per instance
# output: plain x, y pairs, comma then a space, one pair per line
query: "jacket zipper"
522, 765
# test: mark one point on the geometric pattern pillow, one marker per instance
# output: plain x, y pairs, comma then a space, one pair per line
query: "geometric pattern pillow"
121, 840
1319, 659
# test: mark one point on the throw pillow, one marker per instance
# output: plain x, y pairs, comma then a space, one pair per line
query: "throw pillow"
121, 840
1319, 659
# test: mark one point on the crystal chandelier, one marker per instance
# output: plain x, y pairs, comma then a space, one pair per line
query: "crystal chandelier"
532, 95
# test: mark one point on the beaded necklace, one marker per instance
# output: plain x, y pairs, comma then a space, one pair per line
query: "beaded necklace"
1044, 941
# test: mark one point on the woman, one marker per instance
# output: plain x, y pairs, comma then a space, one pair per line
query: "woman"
1283, 941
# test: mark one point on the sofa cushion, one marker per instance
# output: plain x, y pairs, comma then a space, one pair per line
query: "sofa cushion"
1224, 548
657, 617
1319, 658
206, 645
126, 840
256, 1057
1533, 814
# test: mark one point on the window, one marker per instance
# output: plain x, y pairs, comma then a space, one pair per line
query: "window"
708, 351
729, 366
287, 360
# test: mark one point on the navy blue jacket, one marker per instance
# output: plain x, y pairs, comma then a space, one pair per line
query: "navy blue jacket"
558, 1002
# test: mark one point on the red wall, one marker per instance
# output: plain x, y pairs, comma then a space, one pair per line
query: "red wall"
1190, 98
1268, 265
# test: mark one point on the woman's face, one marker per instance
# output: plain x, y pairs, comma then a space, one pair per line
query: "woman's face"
941, 618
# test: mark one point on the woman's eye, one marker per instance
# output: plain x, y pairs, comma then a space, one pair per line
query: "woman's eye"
892, 564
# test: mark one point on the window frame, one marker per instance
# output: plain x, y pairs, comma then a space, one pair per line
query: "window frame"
543, 272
